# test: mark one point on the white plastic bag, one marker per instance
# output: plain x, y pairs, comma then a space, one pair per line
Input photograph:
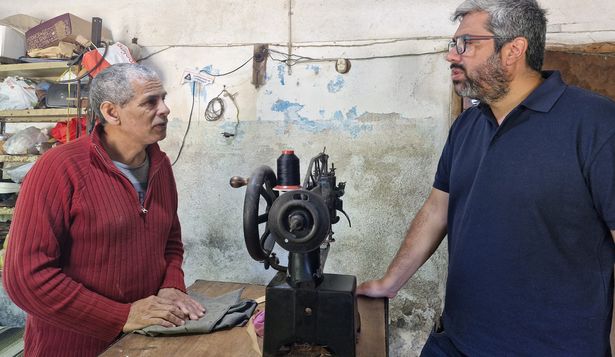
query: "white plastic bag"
17, 93
17, 173
24, 141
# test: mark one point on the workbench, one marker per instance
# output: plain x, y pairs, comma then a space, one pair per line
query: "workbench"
372, 341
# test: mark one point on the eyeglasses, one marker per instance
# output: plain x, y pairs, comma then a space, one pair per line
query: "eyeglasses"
459, 43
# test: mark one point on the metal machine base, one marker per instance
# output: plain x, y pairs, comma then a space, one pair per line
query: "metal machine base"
325, 315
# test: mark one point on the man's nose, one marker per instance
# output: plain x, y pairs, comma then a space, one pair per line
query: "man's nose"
452, 56
163, 109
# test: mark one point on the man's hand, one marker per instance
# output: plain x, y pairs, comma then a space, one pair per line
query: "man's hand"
153, 310
190, 307
376, 289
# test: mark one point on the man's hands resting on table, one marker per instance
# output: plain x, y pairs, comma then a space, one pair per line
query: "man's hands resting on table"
170, 308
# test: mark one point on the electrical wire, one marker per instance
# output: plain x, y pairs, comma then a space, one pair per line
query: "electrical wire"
232, 96
227, 73
337, 43
215, 109
294, 59
188, 127
303, 59
155, 53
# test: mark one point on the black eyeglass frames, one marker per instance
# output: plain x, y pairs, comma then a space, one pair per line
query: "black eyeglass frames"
459, 43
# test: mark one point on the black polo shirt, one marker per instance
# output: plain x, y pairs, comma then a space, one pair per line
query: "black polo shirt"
531, 206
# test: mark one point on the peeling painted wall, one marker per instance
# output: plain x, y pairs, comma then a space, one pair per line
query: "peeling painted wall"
383, 123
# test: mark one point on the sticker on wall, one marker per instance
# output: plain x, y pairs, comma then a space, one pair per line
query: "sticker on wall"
192, 75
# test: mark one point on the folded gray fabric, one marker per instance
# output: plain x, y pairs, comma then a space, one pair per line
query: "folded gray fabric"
224, 311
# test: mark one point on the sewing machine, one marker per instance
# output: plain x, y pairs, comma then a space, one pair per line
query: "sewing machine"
304, 304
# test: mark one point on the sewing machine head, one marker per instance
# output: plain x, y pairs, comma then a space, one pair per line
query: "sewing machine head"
305, 305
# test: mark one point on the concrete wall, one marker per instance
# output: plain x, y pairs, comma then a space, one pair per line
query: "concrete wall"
383, 123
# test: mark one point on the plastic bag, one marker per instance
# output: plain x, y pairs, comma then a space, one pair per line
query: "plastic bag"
116, 53
17, 173
25, 141
17, 93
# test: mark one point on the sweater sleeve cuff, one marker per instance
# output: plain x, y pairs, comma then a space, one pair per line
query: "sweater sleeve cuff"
116, 322
174, 279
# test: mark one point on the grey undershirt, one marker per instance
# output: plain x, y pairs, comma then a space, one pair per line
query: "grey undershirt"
137, 176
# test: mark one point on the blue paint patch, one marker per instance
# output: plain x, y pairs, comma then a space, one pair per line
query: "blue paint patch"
284, 105
352, 113
292, 116
338, 115
281, 69
322, 113
348, 122
314, 68
197, 90
209, 69
336, 85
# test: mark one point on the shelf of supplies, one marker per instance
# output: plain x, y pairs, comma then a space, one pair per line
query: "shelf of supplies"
38, 115
18, 158
39, 70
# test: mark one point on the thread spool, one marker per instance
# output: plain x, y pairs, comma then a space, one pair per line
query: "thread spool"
288, 171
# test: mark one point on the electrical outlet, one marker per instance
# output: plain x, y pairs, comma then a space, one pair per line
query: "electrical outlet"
192, 75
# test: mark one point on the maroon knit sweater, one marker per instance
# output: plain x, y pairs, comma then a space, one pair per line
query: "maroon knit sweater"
82, 248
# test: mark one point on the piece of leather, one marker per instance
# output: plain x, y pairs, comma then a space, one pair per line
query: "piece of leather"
221, 312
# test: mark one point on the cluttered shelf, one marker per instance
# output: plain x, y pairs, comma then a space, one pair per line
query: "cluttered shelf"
18, 158
49, 70
37, 115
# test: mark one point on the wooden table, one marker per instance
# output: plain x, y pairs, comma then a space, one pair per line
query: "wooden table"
373, 339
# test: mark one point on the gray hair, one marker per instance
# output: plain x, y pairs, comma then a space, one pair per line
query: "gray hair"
513, 18
114, 84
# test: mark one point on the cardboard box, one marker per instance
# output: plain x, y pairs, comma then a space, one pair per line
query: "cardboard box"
12, 43
65, 27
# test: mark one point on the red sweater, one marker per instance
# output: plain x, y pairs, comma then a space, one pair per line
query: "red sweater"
82, 248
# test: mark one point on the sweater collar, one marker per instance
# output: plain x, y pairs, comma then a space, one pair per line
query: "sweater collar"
156, 156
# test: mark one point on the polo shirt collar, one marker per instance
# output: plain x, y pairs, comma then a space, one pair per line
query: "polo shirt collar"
543, 98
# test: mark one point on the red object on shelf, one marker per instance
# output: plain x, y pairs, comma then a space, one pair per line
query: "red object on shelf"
64, 132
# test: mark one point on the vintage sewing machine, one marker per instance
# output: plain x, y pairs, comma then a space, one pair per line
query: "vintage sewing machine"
304, 305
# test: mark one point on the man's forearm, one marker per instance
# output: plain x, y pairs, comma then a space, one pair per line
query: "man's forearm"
422, 239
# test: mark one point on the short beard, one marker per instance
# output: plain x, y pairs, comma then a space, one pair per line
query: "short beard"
489, 85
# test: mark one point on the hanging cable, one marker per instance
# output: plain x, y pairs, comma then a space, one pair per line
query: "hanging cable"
232, 96
188, 127
215, 109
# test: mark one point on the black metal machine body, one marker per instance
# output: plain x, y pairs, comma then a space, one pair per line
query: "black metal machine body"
304, 304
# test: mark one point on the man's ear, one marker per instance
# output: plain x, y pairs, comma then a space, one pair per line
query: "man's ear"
515, 51
109, 111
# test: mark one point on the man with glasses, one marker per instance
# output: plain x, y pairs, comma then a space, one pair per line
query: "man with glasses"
525, 190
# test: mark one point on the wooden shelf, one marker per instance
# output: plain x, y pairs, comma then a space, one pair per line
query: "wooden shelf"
18, 158
40, 70
38, 115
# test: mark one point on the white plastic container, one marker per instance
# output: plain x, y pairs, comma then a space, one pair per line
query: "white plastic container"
12, 42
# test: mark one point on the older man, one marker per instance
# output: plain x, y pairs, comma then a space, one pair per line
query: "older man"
95, 244
525, 189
